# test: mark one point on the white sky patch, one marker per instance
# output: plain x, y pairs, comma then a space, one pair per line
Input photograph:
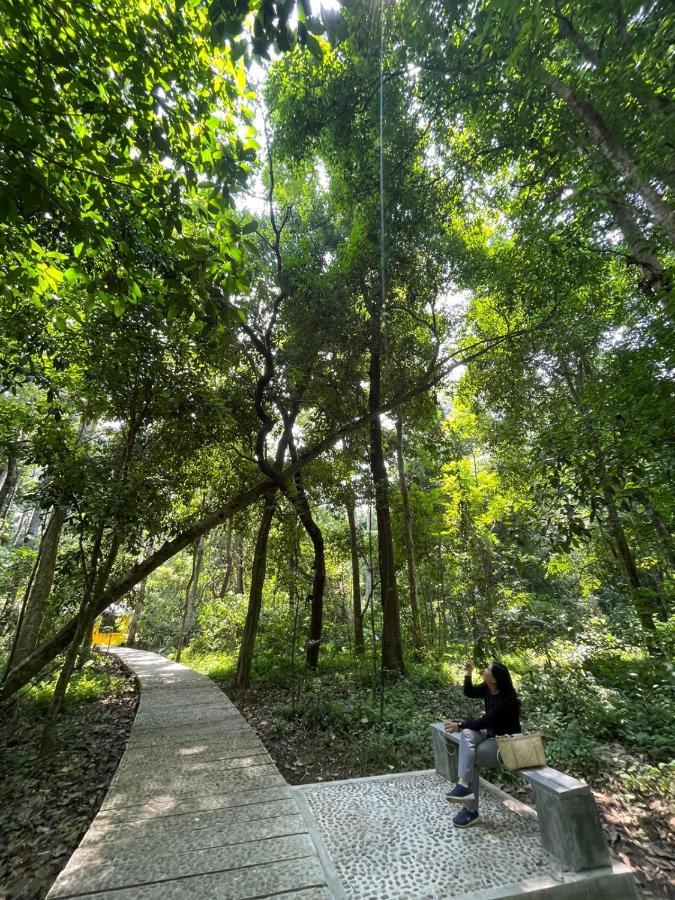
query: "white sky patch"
456, 373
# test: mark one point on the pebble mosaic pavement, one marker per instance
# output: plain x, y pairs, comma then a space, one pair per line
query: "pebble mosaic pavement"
198, 811
392, 837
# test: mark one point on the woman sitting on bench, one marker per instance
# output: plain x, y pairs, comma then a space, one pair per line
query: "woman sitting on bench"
502, 716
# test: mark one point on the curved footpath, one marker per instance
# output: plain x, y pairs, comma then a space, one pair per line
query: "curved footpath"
197, 808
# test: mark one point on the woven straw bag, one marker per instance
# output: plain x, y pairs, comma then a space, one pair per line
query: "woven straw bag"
520, 751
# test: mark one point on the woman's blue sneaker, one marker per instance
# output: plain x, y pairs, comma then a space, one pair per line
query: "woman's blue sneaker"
464, 818
459, 794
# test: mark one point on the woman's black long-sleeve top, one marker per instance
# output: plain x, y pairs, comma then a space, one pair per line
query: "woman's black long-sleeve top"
501, 713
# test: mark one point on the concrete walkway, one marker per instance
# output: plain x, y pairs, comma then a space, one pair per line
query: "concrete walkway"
197, 808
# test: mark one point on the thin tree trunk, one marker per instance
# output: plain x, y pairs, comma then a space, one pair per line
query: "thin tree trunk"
138, 604
228, 561
624, 165
239, 567
359, 641
392, 646
136, 613
9, 484
409, 546
33, 526
662, 531
245, 660
627, 564
187, 623
319, 577
33, 613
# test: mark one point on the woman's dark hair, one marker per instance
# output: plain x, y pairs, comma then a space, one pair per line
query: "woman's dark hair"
504, 683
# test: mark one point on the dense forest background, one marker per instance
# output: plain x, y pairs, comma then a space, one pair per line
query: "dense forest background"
336, 346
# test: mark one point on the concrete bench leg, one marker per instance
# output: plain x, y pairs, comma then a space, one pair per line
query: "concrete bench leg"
446, 754
571, 830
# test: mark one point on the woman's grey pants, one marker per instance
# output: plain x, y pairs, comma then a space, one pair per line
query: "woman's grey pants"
476, 750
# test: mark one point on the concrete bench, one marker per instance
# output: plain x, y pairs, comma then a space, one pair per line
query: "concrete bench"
568, 818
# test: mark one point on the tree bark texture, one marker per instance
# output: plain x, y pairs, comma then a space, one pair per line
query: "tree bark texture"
359, 642
408, 533
245, 660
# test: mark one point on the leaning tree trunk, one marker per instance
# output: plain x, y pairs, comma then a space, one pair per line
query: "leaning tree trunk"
359, 642
409, 546
187, 622
245, 660
392, 646
622, 162
31, 620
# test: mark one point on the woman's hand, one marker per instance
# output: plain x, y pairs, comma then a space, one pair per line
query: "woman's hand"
468, 667
451, 726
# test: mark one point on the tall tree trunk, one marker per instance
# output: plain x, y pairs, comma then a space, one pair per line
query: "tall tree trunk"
359, 642
392, 646
9, 484
228, 561
187, 623
409, 546
31, 620
245, 660
318, 579
622, 162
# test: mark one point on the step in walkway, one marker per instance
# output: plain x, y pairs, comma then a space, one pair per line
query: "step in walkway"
196, 809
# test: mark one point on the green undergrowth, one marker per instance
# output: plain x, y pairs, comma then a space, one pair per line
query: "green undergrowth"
603, 717
93, 681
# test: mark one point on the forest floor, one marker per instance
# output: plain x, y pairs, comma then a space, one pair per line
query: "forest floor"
639, 827
46, 805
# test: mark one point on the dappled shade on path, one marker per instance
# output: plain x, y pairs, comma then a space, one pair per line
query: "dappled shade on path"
196, 809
